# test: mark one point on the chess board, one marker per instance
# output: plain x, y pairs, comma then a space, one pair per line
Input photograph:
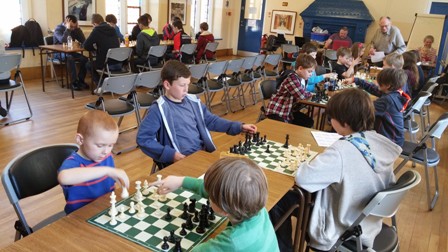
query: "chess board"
273, 159
150, 229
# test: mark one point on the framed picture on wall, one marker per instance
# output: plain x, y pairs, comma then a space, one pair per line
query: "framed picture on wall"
283, 21
177, 8
82, 9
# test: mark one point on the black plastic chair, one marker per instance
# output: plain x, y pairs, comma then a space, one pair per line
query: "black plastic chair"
32, 173
267, 89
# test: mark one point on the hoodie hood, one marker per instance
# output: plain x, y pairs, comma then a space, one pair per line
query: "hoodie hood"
105, 29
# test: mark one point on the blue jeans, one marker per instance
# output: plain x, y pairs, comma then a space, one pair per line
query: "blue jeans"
72, 58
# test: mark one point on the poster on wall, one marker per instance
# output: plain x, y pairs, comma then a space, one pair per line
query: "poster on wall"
283, 21
82, 9
177, 8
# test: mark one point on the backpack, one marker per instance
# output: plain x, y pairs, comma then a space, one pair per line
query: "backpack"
270, 43
20, 36
36, 35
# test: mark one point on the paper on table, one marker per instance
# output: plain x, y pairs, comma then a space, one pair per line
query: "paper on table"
325, 139
377, 57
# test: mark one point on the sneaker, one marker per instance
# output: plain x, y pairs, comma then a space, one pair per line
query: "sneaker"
83, 85
97, 91
3, 111
76, 87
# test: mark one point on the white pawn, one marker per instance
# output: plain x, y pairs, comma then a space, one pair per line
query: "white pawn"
146, 190
113, 221
132, 208
162, 197
122, 216
124, 193
141, 211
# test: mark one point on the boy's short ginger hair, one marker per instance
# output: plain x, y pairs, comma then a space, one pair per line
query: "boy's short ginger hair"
173, 70
94, 120
394, 60
238, 186
305, 61
97, 18
393, 77
354, 108
343, 52
111, 18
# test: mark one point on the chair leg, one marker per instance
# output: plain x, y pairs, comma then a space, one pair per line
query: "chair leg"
431, 199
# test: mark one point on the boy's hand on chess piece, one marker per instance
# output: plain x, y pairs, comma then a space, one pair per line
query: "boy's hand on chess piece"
120, 176
348, 81
250, 128
178, 156
168, 184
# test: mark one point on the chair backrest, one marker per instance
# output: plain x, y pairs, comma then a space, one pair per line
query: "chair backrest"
268, 88
119, 54
9, 61
386, 202
35, 171
211, 46
439, 126
149, 79
48, 40
119, 84
157, 51
217, 68
417, 103
320, 70
287, 48
198, 71
248, 63
259, 59
331, 54
272, 59
188, 48
234, 66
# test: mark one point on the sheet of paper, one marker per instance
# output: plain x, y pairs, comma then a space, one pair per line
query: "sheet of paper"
377, 57
325, 139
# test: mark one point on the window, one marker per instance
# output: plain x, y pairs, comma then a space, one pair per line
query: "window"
200, 12
113, 7
10, 17
133, 13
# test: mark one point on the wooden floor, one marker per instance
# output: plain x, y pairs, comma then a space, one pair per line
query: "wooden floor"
55, 119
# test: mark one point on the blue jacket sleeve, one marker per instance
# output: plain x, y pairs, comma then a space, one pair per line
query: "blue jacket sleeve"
216, 123
369, 87
312, 81
60, 34
151, 139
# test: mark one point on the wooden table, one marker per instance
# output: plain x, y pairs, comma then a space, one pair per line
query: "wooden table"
58, 49
74, 233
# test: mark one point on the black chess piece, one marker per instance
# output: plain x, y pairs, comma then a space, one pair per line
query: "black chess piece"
168, 215
165, 245
249, 146
200, 229
183, 232
264, 139
231, 150
240, 144
189, 224
177, 246
286, 145
185, 214
208, 205
192, 206
196, 216
235, 149
211, 216
267, 149
172, 237
258, 143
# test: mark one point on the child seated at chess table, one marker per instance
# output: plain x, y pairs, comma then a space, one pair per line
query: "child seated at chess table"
178, 124
345, 66
344, 176
390, 105
291, 90
90, 172
237, 189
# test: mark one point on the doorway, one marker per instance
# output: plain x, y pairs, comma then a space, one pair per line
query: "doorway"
250, 31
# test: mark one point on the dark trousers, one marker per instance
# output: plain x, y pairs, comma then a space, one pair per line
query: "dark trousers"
72, 58
299, 118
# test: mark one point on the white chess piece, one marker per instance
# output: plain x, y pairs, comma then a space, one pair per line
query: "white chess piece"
138, 195
146, 190
132, 208
122, 216
124, 193
162, 197
113, 221
113, 210
141, 211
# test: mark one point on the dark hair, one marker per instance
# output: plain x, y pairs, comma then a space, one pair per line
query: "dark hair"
238, 186
110, 18
305, 61
394, 77
175, 18
344, 28
308, 48
148, 17
97, 18
343, 52
72, 18
204, 26
178, 24
410, 63
143, 20
173, 70
352, 107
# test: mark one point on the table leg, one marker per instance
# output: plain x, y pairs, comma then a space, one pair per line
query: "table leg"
42, 70
67, 77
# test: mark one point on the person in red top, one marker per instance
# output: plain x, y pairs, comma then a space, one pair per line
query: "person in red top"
203, 39
292, 89
179, 39
168, 31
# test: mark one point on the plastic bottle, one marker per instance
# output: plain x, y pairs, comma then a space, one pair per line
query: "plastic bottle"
69, 42
126, 40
